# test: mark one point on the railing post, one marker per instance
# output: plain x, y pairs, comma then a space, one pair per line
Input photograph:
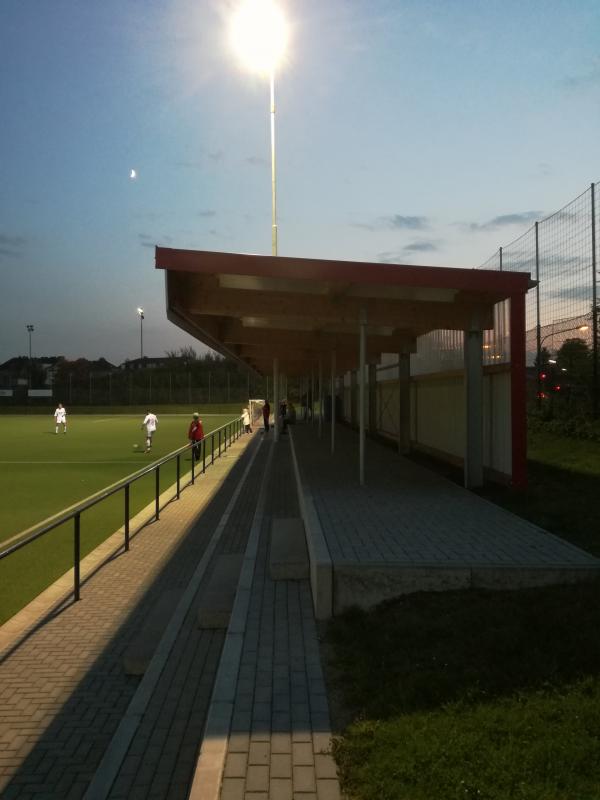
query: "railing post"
157, 492
178, 467
212, 448
594, 310
76, 555
219, 442
203, 445
225, 437
193, 470
127, 517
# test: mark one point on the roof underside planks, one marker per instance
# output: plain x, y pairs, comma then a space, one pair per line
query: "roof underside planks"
257, 308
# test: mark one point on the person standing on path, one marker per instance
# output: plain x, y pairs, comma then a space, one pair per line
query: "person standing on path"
266, 414
196, 435
60, 418
150, 422
246, 420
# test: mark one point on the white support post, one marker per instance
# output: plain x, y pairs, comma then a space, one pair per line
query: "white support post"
320, 397
372, 398
404, 403
276, 398
473, 347
361, 397
332, 402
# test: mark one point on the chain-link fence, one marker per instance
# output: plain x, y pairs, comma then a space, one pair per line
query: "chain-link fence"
561, 253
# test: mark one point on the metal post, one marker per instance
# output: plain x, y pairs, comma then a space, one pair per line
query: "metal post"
332, 402
203, 455
127, 517
276, 397
320, 397
594, 310
538, 326
219, 441
500, 254
312, 394
157, 491
212, 448
361, 396
76, 555
273, 173
178, 473
193, 465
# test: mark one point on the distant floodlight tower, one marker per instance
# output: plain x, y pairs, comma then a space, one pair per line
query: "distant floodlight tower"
30, 330
140, 312
259, 36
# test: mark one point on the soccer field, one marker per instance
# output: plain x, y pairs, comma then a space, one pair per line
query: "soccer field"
42, 473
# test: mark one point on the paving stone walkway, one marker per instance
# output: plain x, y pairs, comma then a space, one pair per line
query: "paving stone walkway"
280, 735
63, 689
406, 514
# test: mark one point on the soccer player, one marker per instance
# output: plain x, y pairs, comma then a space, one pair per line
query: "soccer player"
150, 422
196, 435
60, 417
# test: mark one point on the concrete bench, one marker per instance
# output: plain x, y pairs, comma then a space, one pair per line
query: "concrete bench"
288, 557
138, 654
217, 599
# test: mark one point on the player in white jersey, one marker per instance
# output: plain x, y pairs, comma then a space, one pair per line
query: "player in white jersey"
150, 422
60, 417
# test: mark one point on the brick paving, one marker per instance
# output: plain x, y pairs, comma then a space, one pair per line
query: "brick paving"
63, 690
280, 729
406, 514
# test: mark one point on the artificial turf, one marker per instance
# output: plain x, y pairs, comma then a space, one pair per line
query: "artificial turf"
42, 473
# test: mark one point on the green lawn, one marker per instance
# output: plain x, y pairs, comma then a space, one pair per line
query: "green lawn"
472, 694
42, 473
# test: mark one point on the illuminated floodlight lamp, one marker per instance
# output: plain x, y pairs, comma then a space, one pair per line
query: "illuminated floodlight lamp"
259, 35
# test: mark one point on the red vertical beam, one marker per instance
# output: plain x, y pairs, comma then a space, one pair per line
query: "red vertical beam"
518, 399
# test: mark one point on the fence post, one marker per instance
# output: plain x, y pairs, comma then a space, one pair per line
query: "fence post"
594, 309
76, 555
538, 326
178, 473
212, 448
500, 254
157, 492
193, 470
127, 517
203, 445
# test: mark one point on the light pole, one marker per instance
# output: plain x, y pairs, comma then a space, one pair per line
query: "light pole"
259, 37
30, 330
140, 312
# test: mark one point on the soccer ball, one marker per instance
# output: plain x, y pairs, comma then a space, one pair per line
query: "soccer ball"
136, 447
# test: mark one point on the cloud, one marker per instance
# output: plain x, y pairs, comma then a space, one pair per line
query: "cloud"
398, 256
152, 241
420, 247
12, 246
208, 213
503, 221
584, 80
395, 222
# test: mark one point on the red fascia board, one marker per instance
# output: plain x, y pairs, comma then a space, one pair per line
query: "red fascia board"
354, 272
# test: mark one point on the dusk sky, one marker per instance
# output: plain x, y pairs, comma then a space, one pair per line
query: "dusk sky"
408, 131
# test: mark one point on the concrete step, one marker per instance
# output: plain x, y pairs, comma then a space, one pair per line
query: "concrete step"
139, 653
288, 557
217, 599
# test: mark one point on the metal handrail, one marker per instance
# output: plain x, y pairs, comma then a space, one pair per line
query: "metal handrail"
229, 432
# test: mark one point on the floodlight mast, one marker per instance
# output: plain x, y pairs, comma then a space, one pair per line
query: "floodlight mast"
140, 312
259, 36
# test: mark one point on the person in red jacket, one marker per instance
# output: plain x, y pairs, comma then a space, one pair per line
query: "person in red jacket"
196, 435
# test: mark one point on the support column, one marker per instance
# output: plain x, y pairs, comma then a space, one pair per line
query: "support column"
518, 392
333, 401
473, 347
276, 398
372, 398
312, 395
404, 403
361, 397
353, 417
320, 397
